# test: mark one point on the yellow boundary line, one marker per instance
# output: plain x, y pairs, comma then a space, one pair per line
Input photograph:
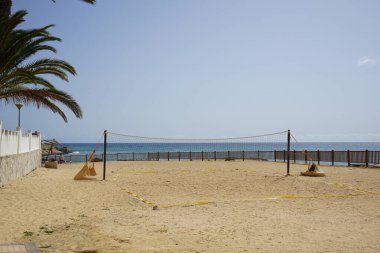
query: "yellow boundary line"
187, 204
150, 203
352, 187
311, 197
139, 197
360, 192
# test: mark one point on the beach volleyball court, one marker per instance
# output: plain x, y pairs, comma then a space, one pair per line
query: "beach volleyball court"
194, 206
176, 184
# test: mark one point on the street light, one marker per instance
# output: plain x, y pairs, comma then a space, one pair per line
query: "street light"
19, 106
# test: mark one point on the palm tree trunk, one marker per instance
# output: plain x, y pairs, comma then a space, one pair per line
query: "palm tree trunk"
5, 8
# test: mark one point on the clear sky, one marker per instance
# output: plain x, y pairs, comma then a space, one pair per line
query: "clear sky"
213, 68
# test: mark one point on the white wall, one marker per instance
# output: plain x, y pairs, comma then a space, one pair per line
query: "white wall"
15, 142
19, 165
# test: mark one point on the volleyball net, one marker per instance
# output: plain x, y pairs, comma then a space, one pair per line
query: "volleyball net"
266, 147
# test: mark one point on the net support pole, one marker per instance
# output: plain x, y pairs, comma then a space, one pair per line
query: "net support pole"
105, 155
319, 156
288, 155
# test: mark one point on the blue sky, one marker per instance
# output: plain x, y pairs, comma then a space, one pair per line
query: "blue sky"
213, 68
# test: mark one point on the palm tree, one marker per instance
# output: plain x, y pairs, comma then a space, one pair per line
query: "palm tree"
23, 80
5, 6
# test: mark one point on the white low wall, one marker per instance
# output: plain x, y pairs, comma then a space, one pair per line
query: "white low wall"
19, 154
14, 166
15, 142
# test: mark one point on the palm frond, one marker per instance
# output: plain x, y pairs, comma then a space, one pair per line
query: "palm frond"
42, 98
86, 1
23, 81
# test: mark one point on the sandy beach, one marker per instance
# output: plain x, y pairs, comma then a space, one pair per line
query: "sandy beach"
194, 206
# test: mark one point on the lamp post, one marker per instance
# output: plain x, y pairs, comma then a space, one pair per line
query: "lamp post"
19, 106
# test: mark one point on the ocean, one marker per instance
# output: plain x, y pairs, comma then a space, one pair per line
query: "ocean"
113, 148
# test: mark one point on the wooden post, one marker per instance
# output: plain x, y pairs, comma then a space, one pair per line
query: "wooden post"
202, 155
332, 157
133, 156
243, 155
348, 158
294, 156
228, 155
258, 155
179, 156
214, 155
168, 156
190, 156
284, 154
288, 155
318, 156
305, 156
275, 156
366, 158
104, 155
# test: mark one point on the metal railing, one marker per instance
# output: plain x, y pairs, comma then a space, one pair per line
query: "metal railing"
334, 158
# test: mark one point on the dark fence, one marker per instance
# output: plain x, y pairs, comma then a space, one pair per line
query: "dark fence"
340, 158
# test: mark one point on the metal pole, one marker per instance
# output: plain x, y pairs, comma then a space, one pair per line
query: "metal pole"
19, 106
319, 156
288, 155
105, 155
19, 117
305, 156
